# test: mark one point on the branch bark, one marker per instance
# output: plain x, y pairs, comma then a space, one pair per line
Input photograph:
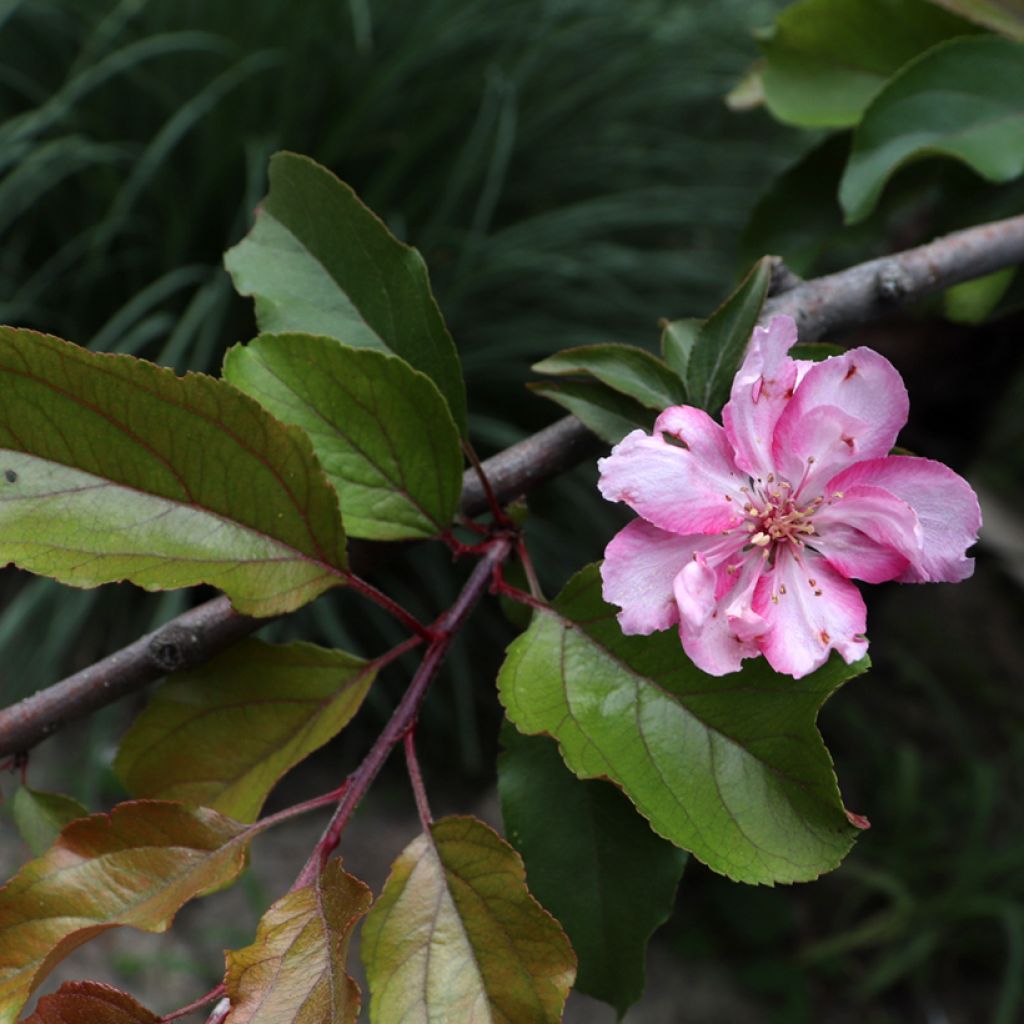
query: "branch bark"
820, 306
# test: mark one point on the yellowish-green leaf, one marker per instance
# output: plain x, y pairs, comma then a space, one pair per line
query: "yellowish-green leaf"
112, 468
294, 973
221, 736
90, 1002
456, 936
40, 816
136, 866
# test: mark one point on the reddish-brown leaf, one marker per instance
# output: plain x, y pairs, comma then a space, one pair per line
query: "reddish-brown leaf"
90, 1002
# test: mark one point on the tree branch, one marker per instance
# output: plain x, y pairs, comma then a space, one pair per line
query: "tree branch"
820, 306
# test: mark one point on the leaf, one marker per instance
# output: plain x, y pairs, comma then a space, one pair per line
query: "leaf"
826, 59
799, 215
677, 340
456, 936
40, 816
625, 368
731, 769
723, 338
294, 973
136, 866
222, 735
318, 261
113, 468
592, 860
607, 413
961, 99
973, 301
90, 1002
1003, 16
381, 430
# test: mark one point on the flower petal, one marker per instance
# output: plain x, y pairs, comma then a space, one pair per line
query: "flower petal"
844, 410
946, 507
880, 518
761, 389
639, 566
718, 634
810, 610
685, 490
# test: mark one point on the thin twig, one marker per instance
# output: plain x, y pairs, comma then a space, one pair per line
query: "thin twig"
419, 791
481, 474
392, 607
214, 993
408, 708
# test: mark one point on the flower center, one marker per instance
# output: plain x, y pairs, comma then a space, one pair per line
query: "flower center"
773, 517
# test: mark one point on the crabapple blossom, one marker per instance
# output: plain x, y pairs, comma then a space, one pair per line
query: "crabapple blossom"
749, 533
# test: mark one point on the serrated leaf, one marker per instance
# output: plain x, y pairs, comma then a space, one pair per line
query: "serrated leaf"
1007, 17
592, 861
627, 369
295, 973
962, 99
136, 866
826, 59
222, 735
40, 816
677, 340
605, 412
723, 338
731, 769
320, 262
90, 1002
381, 430
456, 936
113, 468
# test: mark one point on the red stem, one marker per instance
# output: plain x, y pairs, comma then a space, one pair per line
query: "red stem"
492, 499
416, 778
531, 573
507, 590
392, 607
214, 993
408, 708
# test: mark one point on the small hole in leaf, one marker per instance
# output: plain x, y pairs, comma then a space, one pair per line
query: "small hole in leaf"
10, 476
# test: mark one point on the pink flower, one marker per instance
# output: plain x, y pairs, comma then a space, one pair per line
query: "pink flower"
749, 535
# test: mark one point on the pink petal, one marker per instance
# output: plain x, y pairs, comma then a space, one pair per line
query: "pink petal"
844, 410
694, 590
946, 507
811, 610
882, 521
684, 490
723, 633
761, 390
639, 566
856, 556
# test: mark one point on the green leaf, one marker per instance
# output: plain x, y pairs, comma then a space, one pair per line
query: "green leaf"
972, 301
381, 430
318, 261
723, 338
222, 735
1005, 17
456, 936
962, 99
90, 1002
731, 769
799, 215
607, 413
294, 973
826, 59
627, 369
40, 816
136, 866
592, 861
677, 340
112, 468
